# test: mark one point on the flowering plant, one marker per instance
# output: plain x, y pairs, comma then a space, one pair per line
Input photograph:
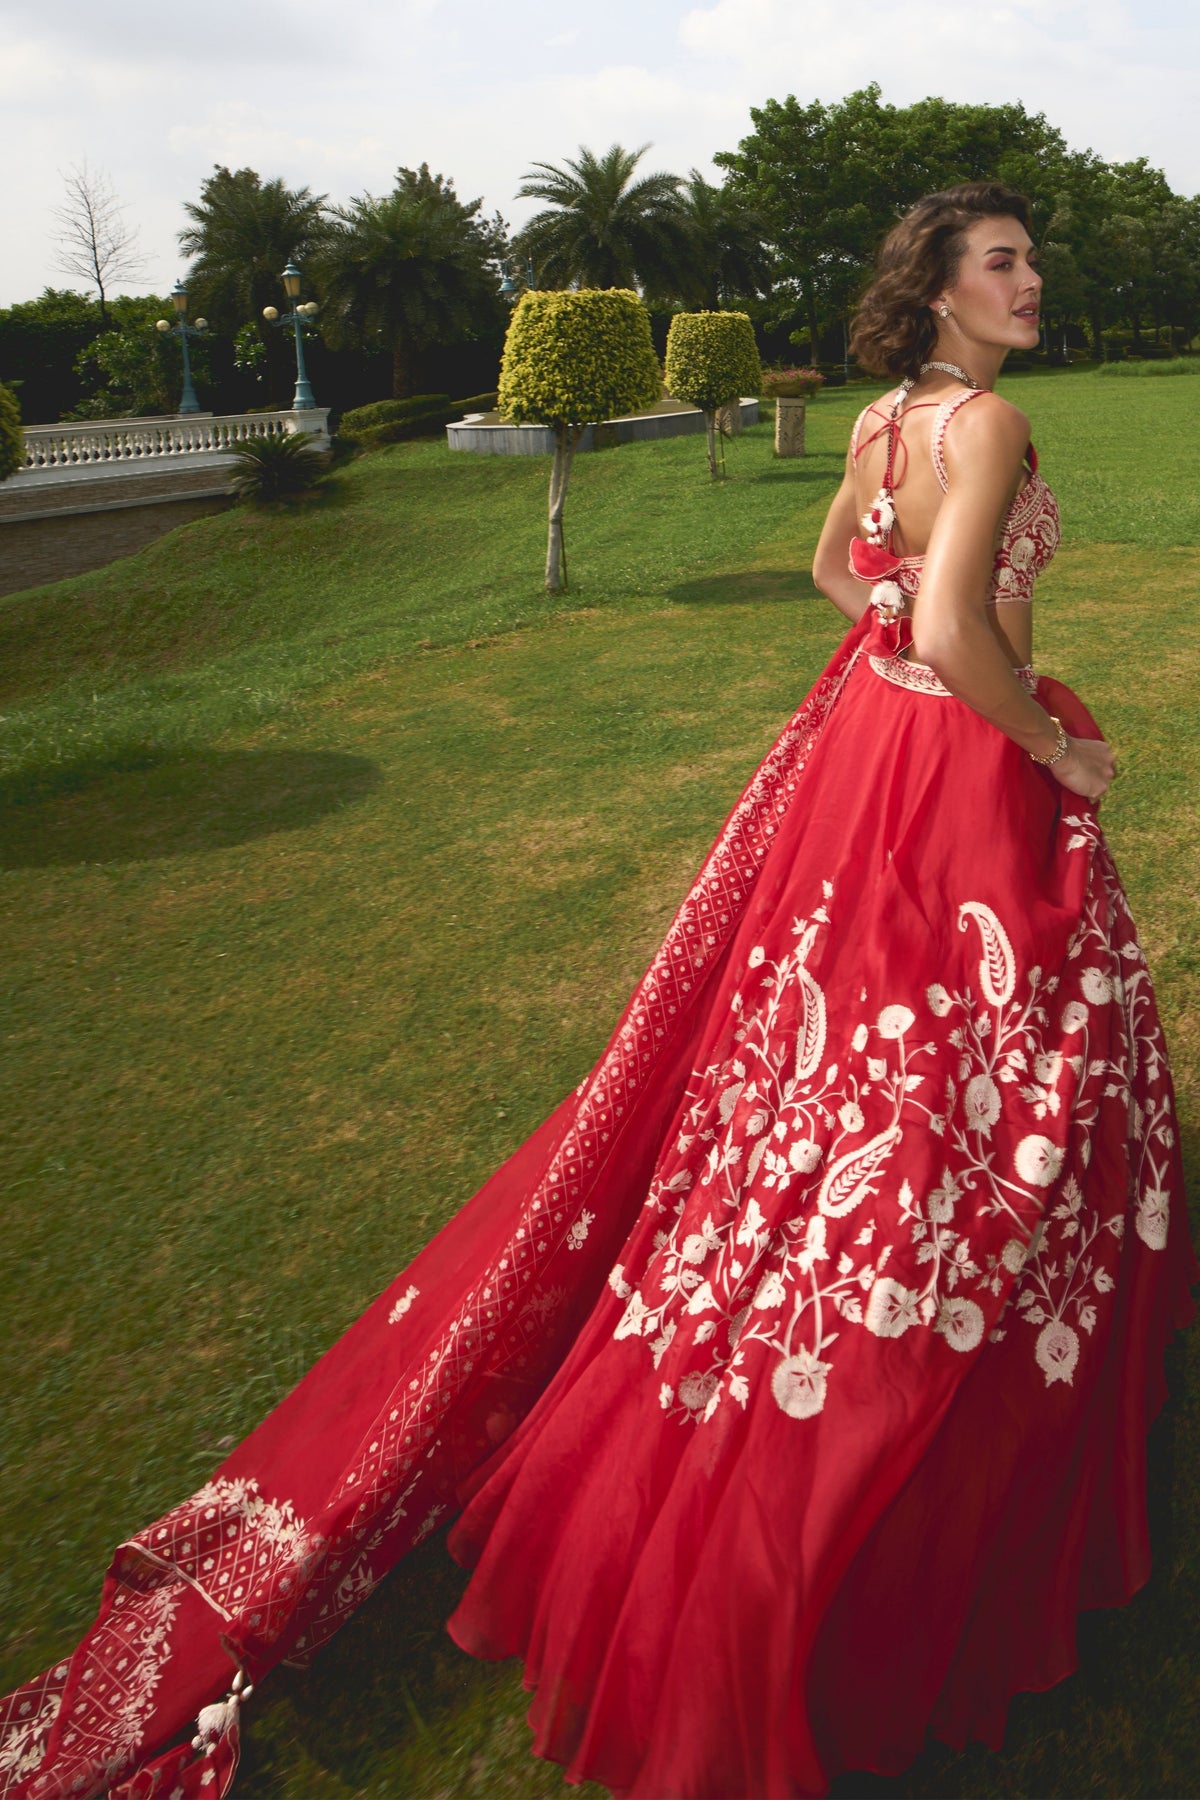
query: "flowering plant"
791, 384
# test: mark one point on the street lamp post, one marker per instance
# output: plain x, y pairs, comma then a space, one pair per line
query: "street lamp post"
303, 399
512, 289
183, 331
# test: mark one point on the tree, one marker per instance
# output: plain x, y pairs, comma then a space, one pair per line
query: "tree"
40, 343
1174, 282
12, 454
243, 232
828, 181
572, 360
135, 371
711, 360
415, 268
726, 255
602, 229
94, 241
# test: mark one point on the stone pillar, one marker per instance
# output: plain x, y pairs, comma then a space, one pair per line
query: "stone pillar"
789, 426
729, 417
314, 420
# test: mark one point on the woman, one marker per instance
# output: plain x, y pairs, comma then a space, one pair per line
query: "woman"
793, 1379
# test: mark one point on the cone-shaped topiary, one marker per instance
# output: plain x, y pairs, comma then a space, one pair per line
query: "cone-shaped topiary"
12, 450
572, 359
712, 358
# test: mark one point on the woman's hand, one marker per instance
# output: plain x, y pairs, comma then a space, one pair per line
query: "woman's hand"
1088, 768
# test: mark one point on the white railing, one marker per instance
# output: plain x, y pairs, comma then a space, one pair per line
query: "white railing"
93, 443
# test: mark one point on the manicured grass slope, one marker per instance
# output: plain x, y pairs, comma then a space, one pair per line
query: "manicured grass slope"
279, 997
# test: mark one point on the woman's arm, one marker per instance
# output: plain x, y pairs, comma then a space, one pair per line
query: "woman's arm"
950, 628
831, 564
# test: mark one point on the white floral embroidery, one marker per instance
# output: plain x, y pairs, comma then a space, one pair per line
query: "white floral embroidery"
774, 1221
577, 1236
798, 1384
402, 1305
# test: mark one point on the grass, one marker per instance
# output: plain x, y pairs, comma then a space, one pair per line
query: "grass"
1166, 365
340, 848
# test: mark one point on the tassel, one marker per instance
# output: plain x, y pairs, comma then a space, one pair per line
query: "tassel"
214, 1721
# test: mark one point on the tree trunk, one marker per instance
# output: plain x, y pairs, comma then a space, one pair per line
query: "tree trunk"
710, 426
1097, 336
399, 373
814, 348
556, 553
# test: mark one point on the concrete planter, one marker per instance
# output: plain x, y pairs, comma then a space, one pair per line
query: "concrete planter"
789, 425
480, 431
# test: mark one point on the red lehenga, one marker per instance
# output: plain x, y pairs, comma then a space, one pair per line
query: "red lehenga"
793, 1378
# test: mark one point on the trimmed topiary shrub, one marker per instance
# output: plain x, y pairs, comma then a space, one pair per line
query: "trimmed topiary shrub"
400, 430
476, 403
387, 412
573, 359
712, 358
12, 448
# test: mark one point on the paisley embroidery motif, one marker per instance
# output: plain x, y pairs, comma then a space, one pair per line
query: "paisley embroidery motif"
739, 1285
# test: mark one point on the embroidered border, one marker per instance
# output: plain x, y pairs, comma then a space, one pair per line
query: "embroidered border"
919, 678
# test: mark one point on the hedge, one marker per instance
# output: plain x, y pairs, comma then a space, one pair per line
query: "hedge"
12, 450
387, 412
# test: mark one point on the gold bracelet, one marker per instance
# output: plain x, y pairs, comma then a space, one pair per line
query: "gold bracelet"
1061, 747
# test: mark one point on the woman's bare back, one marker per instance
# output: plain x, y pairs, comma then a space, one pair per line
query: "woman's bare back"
919, 494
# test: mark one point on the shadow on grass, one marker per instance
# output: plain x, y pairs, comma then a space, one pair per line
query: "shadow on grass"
394, 1710
746, 587
391, 1708
174, 804
819, 468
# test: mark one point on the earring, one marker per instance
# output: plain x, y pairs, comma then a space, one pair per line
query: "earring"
944, 312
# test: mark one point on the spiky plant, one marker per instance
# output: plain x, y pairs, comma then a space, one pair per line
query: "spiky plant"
273, 467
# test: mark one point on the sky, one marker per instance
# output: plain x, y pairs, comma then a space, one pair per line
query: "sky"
336, 98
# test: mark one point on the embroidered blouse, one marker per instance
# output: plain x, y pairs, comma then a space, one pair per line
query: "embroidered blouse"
1029, 533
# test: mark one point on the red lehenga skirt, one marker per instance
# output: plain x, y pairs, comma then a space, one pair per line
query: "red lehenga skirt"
792, 1381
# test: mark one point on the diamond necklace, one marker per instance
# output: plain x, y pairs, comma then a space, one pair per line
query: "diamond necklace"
949, 368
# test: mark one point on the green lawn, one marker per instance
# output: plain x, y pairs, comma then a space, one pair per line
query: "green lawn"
333, 850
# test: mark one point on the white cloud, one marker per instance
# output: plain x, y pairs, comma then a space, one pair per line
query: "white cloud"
1118, 79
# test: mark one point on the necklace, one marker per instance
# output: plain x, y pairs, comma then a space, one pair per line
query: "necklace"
948, 368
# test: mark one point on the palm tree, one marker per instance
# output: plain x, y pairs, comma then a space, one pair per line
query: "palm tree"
602, 229
727, 253
243, 231
414, 268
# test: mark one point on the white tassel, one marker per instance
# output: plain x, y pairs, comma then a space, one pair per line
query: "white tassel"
212, 1722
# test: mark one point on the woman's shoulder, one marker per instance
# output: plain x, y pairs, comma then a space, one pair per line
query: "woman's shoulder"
990, 429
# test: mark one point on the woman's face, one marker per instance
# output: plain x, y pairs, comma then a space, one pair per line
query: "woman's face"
996, 292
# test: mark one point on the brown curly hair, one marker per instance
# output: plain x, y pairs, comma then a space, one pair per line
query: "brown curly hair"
894, 329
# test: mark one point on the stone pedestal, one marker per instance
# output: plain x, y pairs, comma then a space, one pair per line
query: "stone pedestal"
729, 418
789, 426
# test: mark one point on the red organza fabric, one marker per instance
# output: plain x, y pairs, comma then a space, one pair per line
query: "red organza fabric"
794, 1376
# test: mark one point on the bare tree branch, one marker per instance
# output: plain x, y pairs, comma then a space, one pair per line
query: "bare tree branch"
93, 238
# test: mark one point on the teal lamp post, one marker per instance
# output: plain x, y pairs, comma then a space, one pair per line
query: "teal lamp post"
513, 289
183, 331
303, 399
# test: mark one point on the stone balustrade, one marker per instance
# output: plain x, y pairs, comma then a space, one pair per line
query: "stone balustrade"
102, 488
91, 446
